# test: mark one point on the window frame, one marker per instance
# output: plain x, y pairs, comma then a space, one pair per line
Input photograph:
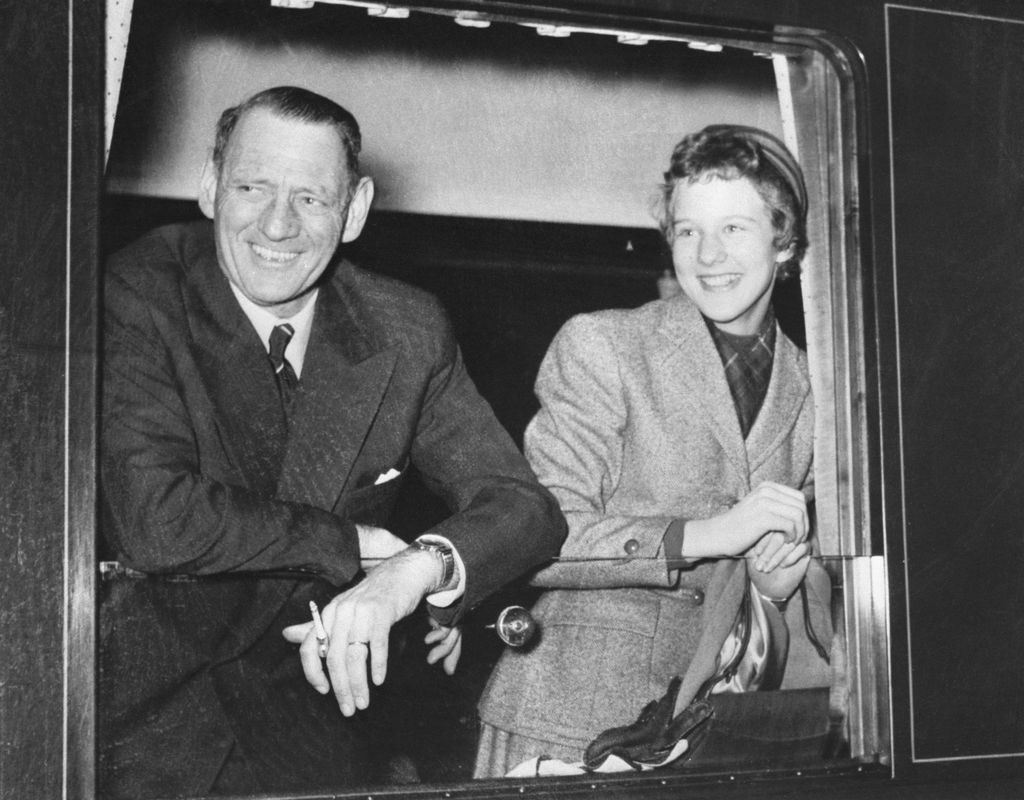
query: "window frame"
835, 70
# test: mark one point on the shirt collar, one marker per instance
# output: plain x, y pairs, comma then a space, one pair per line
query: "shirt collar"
264, 322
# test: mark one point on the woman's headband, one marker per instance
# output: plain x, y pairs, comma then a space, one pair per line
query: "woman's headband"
775, 151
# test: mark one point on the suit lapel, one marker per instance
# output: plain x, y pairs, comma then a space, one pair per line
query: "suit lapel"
344, 379
788, 391
236, 373
693, 374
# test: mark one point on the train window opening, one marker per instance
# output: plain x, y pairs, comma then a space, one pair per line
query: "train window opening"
517, 159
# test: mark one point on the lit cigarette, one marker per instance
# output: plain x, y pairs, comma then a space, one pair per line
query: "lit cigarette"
318, 626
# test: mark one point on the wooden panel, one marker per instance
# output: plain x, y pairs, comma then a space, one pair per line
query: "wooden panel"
33, 162
46, 506
958, 162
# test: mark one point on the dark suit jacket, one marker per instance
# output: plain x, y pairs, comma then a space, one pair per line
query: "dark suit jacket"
202, 477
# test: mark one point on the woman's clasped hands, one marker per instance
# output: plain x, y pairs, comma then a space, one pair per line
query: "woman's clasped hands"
770, 527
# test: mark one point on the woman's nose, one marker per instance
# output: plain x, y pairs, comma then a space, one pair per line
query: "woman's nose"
279, 220
710, 250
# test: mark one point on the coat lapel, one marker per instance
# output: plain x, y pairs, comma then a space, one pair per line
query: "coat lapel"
693, 373
236, 374
344, 379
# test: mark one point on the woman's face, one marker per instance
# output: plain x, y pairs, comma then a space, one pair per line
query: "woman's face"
723, 251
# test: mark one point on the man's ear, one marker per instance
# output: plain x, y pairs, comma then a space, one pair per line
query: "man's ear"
358, 210
208, 188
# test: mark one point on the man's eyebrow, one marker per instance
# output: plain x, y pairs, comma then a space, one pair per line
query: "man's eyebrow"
244, 176
320, 189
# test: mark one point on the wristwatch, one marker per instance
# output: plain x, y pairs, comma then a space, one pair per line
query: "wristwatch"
443, 551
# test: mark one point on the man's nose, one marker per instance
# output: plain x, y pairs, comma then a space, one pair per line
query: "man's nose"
710, 249
279, 220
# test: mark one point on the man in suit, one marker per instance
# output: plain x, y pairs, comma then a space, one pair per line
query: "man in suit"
262, 402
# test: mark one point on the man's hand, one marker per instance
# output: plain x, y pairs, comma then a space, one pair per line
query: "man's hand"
447, 645
770, 507
358, 622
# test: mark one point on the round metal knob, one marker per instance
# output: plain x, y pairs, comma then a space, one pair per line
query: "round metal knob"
515, 626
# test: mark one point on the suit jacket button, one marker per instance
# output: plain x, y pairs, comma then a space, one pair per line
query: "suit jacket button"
631, 547
698, 597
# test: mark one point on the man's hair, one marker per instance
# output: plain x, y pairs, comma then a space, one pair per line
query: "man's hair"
292, 102
730, 152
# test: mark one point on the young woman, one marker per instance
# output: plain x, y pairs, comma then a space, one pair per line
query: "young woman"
677, 438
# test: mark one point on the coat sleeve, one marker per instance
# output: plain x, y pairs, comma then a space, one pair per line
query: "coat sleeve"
503, 522
575, 444
167, 509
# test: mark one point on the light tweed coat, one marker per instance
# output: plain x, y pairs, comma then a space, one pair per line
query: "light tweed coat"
636, 428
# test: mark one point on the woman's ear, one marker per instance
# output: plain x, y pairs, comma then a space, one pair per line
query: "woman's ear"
783, 256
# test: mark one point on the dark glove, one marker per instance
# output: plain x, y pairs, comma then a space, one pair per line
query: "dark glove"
649, 740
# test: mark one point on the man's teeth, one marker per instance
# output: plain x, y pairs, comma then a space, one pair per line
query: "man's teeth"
717, 281
272, 255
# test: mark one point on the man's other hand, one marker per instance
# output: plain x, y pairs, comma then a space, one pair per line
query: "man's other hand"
447, 645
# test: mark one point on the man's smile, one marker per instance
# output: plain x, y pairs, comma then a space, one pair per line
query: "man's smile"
277, 256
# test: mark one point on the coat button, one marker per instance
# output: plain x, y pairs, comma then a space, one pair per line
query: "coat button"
631, 546
698, 597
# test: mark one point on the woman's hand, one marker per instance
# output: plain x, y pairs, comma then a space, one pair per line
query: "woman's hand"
771, 507
778, 566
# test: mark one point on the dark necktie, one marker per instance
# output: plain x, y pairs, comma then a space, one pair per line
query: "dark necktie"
287, 381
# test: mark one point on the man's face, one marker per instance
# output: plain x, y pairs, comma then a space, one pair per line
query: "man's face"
280, 208
723, 251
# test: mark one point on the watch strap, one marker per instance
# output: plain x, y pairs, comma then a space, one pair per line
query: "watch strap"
443, 551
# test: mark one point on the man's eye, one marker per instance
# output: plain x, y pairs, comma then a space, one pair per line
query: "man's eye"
311, 202
684, 232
